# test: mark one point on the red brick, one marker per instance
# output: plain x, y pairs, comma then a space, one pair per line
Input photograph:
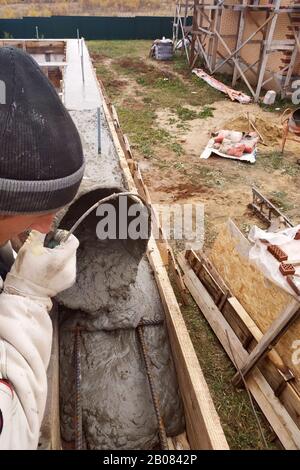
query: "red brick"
287, 269
277, 252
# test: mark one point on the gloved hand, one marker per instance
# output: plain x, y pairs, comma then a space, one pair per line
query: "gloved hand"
40, 271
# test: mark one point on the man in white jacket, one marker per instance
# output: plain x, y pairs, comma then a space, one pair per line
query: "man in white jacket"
41, 167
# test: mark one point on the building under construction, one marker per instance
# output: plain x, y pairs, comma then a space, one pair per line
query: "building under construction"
256, 41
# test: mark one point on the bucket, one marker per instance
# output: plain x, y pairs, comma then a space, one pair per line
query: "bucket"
294, 122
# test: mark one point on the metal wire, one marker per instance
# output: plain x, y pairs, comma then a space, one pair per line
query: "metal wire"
143, 322
103, 201
78, 379
161, 427
78, 402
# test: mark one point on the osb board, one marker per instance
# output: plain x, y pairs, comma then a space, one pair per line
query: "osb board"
261, 298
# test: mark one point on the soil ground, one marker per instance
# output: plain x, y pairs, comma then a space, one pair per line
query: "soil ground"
168, 115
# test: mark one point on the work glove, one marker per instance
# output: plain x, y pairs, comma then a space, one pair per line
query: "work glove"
42, 272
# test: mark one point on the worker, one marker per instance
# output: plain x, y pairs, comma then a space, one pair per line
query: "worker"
41, 168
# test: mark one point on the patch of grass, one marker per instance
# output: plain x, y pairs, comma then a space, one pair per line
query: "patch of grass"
141, 81
138, 124
116, 49
279, 199
210, 176
180, 65
177, 148
272, 160
186, 114
104, 73
206, 112
171, 84
232, 405
276, 161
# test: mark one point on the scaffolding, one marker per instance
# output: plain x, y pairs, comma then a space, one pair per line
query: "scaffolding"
216, 49
182, 31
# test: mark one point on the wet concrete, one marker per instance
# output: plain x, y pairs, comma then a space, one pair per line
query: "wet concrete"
80, 95
114, 291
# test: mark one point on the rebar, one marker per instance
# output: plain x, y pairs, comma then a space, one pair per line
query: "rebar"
161, 427
78, 399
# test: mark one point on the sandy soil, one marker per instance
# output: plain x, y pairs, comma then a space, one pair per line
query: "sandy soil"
224, 186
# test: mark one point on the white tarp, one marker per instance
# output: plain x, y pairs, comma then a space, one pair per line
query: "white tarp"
267, 263
210, 150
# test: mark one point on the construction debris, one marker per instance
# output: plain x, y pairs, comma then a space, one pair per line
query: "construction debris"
232, 144
234, 311
269, 97
269, 132
282, 246
233, 94
270, 384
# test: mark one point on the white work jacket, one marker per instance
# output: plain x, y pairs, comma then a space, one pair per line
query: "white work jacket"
25, 348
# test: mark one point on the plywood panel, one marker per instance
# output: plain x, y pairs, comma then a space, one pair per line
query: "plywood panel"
261, 298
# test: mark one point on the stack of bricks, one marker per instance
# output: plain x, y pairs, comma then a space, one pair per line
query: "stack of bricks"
286, 269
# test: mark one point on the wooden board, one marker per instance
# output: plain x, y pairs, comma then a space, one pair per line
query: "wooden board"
275, 412
263, 300
204, 429
272, 367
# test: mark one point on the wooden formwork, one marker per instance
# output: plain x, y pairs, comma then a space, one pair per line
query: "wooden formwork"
203, 427
243, 332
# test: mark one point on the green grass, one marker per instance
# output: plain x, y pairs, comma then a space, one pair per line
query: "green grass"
157, 86
277, 161
206, 112
279, 199
186, 114
116, 49
138, 124
233, 406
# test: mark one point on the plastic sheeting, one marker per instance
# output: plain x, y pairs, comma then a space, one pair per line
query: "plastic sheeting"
234, 95
267, 263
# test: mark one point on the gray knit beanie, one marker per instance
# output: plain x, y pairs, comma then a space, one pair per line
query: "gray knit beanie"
41, 157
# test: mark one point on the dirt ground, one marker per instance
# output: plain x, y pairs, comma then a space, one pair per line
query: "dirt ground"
168, 115
224, 186
172, 168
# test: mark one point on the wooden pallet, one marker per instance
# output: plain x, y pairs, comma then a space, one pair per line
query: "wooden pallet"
270, 383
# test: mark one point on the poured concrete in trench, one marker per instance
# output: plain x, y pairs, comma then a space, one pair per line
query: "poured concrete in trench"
114, 291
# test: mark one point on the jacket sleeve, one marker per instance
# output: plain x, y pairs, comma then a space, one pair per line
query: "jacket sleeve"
25, 348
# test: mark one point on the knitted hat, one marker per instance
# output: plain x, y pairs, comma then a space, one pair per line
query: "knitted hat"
41, 157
